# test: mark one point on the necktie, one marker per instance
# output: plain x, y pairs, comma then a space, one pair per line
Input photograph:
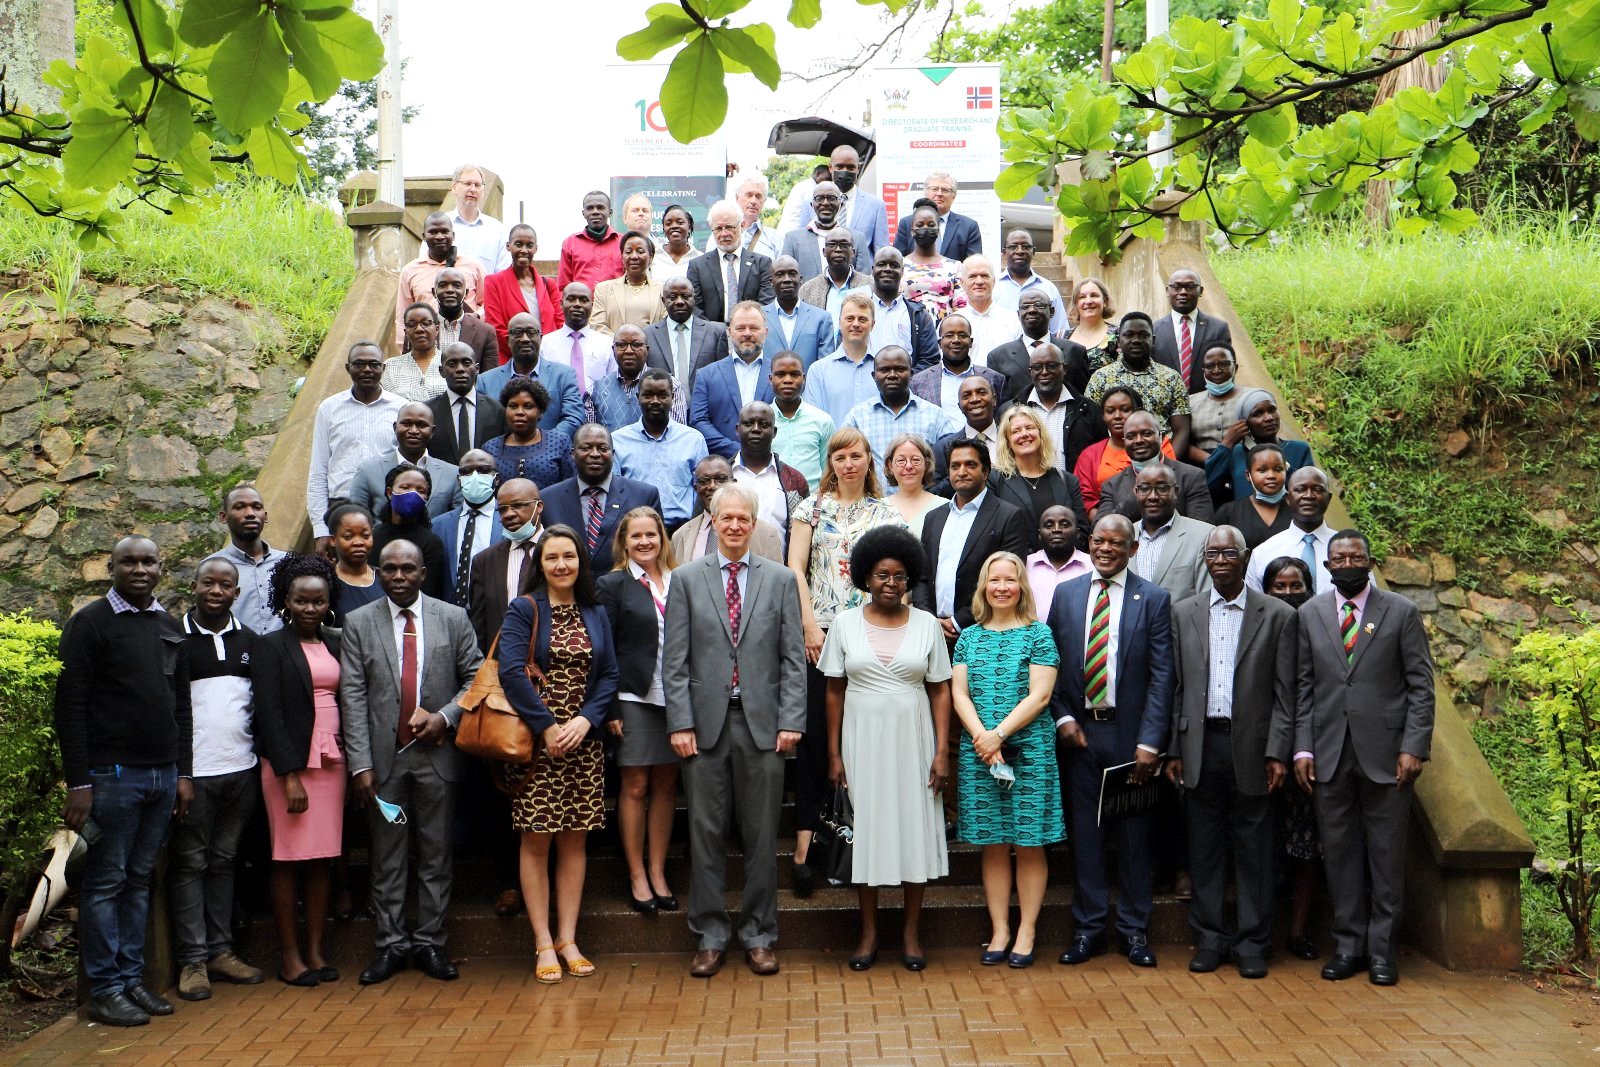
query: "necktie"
730, 284
1097, 654
735, 606
843, 221
1308, 552
463, 427
1185, 349
1347, 630
408, 680
680, 347
522, 568
464, 558
591, 526
577, 362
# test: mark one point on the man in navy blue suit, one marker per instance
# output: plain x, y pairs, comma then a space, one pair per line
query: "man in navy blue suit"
727, 385
958, 235
792, 324
524, 337
595, 501
1112, 705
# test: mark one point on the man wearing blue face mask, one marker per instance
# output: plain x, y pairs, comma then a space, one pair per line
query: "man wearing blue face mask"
473, 526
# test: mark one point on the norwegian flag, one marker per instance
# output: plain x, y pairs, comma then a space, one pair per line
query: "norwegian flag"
980, 97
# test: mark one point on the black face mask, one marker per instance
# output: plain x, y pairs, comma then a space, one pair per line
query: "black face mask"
1349, 580
1294, 600
845, 182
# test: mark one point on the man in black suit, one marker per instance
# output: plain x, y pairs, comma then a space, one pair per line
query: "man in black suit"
504, 571
461, 413
1141, 436
1011, 358
456, 323
595, 501
1363, 730
1188, 324
978, 524
727, 266
958, 235
1232, 735
683, 342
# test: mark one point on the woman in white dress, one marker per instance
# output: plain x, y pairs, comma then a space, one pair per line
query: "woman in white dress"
888, 703
908, 468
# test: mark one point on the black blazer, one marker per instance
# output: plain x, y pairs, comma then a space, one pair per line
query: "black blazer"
480, 336
705, 274
486, 590
491, 423
1064, 490
285, 704
999, 527
1194, 496
635, 628
1208, 331
1011, 360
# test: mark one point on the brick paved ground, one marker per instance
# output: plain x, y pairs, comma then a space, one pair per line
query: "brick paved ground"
956, 1012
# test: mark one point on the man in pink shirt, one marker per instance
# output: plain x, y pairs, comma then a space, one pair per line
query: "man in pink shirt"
1059, 560
593, 254
417, 278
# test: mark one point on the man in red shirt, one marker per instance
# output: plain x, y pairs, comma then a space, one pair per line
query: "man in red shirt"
593, 254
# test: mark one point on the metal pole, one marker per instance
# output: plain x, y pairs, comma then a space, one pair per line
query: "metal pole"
391, 173
1155, 24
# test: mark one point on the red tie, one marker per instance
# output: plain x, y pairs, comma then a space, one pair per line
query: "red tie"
735, 606
591, 530
408, 679
1185, 349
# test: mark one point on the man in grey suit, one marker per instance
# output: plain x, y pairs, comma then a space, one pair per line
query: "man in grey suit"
683, 342
404, 665
1171, 546
1232, 733
413, 432
1141, 436
733, 667
1363, 729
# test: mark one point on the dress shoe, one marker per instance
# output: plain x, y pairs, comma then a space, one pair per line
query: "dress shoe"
117, 1010
431, 961
508, 903
805, 881
1303, 947
862, 963
228, 967
1082, 950
993, 957
387, 964
762, 960
707, 962
147, 1001
327, 974
1340, 967
1384, 972
306, 979
1252, 967
914, 963
1205, 961
1020, 962
647, 906
193, 983
1137, 949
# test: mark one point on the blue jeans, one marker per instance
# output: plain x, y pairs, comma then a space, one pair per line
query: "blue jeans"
132, 809
203, 847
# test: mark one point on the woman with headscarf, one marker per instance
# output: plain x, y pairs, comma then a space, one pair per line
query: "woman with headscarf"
1227, 468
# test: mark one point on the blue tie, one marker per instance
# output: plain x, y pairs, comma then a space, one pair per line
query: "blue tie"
1308, 552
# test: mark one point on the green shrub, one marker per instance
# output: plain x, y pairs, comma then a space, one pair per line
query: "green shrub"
30, 762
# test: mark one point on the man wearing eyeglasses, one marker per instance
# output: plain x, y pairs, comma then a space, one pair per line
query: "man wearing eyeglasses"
1187, 334
696, 537
1171, 546
1232, 732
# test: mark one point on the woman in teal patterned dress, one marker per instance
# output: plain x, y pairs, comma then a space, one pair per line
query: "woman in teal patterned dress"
1005, 669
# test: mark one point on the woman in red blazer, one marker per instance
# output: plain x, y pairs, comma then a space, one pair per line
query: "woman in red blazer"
503, 295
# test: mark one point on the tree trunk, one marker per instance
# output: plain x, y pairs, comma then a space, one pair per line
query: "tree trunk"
1107, 36
1421, 71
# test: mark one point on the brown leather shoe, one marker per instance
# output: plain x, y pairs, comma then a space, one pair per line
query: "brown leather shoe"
761, 960
508, 903
707, 962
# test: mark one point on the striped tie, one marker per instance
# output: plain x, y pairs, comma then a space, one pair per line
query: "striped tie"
1096, 657
1347, 630
1185, 349
592, 522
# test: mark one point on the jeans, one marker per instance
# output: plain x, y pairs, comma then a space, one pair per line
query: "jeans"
132, 809
203, 848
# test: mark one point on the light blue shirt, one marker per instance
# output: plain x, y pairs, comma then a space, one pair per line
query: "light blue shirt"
666, 462
836, 385
836, 295
749, 376
891, 324
1008, 292
950, 391
951, 543
787, 320
883, 424
254, 606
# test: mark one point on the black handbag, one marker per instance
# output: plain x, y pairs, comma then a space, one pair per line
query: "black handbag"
836, 837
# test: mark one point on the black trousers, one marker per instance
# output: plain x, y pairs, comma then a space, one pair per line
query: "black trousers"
810, 780
1224, 824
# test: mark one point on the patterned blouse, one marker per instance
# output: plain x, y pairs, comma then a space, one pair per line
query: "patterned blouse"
835, 529
936, 286
1105, 353
403, 377
1164, 392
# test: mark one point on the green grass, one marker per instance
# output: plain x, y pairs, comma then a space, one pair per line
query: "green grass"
258, 243
1384, 345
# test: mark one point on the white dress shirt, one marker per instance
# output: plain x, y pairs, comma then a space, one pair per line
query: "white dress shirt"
656, 694
990, 330
519, 552
749, 376
480, 531
768, 490
1118, 587
471, 398
598, 361
951, 542
1227, 619
345, 434
1291, 542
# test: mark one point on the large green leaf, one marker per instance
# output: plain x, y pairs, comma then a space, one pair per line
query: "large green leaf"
310, 60
1016, 180
155, 23
170, 123
351, 45
249, 74
805, 13
694, 99
712, 10
205, 22
272, 154
668, 25
100, 153
1273, 128
749, 49
1341, 44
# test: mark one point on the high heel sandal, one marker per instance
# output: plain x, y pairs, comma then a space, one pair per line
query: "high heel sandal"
548, 975
578, 968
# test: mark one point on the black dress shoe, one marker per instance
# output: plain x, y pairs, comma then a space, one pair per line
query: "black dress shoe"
1384, 972
117, 1010
914, 963
389, 962
667, 903
1303, 947
1252, 967
1205, 961
1340, 967
805, 881
643, 907
1082, 950
431, 961
1137, 949
147, 1001
862, 963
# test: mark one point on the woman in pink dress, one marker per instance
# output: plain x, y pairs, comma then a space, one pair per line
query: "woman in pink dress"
295, 674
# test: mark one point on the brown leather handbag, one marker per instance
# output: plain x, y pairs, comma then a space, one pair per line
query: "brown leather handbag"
490, 727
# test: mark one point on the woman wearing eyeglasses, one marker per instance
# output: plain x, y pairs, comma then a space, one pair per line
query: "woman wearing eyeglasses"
908, 468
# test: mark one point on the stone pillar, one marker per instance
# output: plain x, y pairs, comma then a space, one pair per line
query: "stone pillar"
34, 34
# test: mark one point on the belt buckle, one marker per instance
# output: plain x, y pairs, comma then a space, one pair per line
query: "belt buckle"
1219, 722
1103, 714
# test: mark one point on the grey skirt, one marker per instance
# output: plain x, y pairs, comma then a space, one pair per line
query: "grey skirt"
646, 741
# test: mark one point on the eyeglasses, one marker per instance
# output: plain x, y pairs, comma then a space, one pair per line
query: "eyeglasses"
1230, 554
1159, 489
713, 479
884, 578
522, 333
906, 461
1348, 561
513, 505
1183, 287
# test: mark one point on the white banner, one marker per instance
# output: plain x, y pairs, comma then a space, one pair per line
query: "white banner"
642, 157
940, 118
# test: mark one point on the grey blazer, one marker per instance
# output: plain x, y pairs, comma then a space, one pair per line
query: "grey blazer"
1382, 700
1182, 570
698, 660
766, 540
366, 488
369, 682
1263, 687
